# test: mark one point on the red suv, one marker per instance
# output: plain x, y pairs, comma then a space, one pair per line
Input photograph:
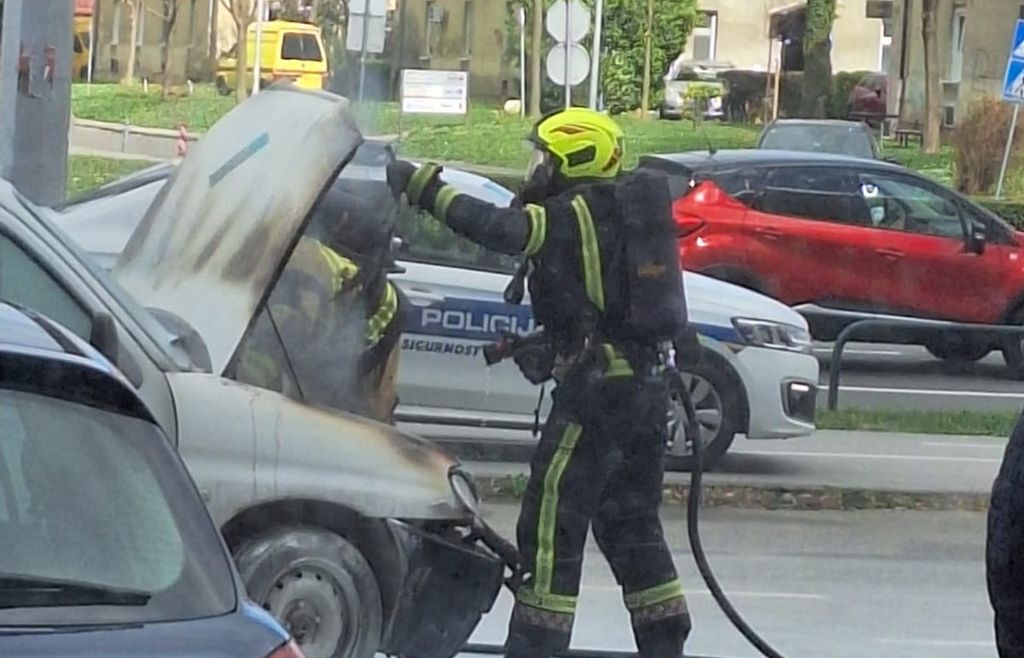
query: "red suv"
843, 238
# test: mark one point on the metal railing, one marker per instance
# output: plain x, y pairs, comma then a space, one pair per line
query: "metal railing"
921, 329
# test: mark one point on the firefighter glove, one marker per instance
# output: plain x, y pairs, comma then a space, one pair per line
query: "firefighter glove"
536, 360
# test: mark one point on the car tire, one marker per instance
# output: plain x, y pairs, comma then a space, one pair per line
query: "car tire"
319, 586
958, 349
1013, 346
719, 404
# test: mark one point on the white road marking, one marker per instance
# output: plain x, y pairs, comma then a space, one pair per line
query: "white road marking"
857, 455
731, 593
995, 445
930, 391
826, 350
935, 643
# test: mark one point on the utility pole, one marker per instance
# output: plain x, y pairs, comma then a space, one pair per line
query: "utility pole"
35, 97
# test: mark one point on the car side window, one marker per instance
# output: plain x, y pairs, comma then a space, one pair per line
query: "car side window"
903, 204
426, 240
828, 195
25, 282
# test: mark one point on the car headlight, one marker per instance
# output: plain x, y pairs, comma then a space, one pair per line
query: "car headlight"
464, 489
773, 335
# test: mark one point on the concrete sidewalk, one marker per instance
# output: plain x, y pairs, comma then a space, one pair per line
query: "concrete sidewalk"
828, 470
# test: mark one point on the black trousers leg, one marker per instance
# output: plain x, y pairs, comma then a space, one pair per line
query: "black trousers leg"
1004, 551
627, 526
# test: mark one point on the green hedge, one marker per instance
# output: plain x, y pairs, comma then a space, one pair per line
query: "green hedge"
1012, 211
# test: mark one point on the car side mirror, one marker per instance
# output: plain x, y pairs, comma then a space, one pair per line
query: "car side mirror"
103, 336
976, 241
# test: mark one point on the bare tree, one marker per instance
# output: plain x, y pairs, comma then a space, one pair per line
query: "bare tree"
168, 15
244, 13
817, 83
134, 9
536, 54
932, 141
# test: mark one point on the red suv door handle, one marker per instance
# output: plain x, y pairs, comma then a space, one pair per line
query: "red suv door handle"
768, 232
891, 254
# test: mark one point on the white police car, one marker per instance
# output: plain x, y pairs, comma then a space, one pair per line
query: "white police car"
757, 375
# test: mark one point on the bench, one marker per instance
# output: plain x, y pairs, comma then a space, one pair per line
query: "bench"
905, 135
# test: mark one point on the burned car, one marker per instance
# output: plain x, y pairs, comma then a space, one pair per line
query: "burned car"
356, 535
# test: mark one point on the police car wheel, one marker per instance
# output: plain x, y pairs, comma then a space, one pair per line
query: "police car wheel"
319, 586
715, 391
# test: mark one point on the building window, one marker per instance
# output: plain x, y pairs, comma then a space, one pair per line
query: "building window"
885, 48
467, 29
956, 44
705, 36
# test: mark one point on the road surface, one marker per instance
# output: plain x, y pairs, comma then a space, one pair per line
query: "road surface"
877, 376
814, 584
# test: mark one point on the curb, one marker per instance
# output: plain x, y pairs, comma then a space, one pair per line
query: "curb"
510, 487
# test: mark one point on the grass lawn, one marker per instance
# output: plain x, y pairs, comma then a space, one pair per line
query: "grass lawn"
117, 104
977, 423
86, 173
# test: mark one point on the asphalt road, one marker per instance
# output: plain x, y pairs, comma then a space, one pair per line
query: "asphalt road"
878, 376
815, 584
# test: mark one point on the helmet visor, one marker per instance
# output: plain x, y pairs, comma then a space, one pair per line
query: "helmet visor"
540, 162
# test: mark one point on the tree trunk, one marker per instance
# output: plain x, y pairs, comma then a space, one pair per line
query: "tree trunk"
817, 58
170, 19
241, 57
128, 77
536, 54
932, 91
645, 92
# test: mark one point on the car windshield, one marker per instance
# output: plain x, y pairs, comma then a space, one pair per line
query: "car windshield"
845, 140
169, 351
99, 524
771, 248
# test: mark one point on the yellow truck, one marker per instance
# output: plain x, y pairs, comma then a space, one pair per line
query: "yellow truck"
288, 51
81, 48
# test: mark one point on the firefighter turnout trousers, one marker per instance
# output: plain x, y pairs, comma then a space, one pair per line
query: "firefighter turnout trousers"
600, 461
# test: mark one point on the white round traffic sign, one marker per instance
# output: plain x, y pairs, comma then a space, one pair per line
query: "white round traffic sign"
572, 29
579, 63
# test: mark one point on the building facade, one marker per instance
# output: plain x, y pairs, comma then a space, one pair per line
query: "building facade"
190, 40
974, 41
741, 32
461, 35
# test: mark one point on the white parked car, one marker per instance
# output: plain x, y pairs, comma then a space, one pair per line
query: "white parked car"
757, 377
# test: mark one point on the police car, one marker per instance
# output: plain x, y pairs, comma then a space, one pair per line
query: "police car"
756, 377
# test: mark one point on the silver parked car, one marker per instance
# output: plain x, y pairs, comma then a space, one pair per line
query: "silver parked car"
349, 531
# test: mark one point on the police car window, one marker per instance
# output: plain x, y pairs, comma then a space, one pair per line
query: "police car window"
23, 281
426, 240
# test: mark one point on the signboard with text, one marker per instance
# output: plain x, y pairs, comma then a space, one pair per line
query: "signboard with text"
435, 92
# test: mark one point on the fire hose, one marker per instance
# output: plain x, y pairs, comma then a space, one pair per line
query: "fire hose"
692, 433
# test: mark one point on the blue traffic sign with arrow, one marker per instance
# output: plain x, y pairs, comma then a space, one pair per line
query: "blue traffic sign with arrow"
1013, 82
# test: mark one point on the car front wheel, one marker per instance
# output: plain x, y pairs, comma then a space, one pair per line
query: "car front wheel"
714, 389
1013, 346
319, 586
957, 348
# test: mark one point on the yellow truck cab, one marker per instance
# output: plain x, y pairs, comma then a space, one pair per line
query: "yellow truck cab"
289, 51
81, 48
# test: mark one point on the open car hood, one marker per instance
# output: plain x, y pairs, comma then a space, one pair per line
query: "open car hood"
215, 239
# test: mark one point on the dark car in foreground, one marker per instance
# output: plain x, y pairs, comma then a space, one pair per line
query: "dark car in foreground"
843, 239
106, 547
853, 138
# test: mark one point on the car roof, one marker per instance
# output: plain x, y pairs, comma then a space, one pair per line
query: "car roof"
837, 123
726, 159
39, 356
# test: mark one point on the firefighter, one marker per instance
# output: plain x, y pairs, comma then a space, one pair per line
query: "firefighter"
1004, 551
600, 458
